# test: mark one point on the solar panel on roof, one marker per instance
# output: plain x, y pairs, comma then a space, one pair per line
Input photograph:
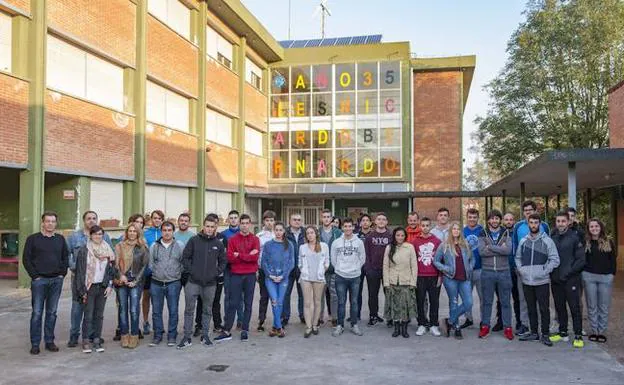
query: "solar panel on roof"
299, 44
372, 39
314, 42
328, 41
286, 43
358, 39
343, 40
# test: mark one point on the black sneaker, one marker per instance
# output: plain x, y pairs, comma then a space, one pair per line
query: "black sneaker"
379, 319
155, 342
546, 340
198, 331
51, 347
458, 334
530, 337
184, 343
72, 343
468, 323
498, 327
117, 335
260, 326
522, 330
244, 336
98, 347
34, 350
171, 343
372, 321
224, 336
206, 341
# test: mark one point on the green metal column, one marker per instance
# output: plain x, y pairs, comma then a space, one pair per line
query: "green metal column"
32, 179
240, 132
197, 195
137, 203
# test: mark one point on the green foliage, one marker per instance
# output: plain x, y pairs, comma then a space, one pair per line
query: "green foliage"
552, 92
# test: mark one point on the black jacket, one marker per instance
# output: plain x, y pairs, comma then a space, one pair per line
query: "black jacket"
79, 284
297, 242
571, 255
203, 259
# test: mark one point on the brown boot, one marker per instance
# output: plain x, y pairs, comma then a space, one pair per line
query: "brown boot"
125, 340
134, 342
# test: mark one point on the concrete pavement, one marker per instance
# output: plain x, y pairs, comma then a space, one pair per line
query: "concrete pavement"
375, 358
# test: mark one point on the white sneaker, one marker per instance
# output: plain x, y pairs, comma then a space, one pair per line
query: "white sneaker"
355, 329
435, 331
337, 331
421, 330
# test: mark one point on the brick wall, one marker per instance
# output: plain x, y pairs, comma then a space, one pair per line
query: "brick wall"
13, 121
171, 155
221, 87
86, 138
255, 171
23, 5
82, 19
616, 118
437, 138
255, 107
170, 57
221, 168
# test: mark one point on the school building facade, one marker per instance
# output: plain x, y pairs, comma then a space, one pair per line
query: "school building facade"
129, 106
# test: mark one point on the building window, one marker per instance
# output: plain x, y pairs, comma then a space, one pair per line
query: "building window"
173, 13
172, 200
167, 107
218, 128
107, 199
78, 73
254, 74
219, 203
5, 42
253, 141
219, 48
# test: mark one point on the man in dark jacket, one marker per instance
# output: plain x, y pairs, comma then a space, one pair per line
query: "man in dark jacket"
375, 246
566, 279
203, 261
295, 234
46, 259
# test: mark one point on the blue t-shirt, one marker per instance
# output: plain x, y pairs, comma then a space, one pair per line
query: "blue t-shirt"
183, 236
472, 237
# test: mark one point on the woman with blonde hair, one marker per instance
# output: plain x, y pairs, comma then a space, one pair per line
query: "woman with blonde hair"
598, 275
132, 258
313, 263
454, 259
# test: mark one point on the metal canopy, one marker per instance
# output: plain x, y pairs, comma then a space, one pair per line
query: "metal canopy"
551, 173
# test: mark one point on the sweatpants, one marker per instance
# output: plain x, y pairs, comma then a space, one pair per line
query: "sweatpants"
191, 292
568, 292
427, 287
538, 296
374, 281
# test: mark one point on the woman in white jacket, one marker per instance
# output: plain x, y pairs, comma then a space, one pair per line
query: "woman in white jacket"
313, 262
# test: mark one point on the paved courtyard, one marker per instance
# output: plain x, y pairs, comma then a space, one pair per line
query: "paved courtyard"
375, 358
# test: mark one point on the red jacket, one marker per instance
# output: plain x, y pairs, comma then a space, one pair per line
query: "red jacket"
244, 262
425, 251
413, 233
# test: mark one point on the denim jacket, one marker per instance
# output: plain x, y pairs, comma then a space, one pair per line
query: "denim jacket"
444, 260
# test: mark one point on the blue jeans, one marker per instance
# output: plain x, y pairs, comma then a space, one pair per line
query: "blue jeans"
490, 282
242, 287
454, 290
352, 285
277, 292
77, 311
45, 294
158, 292
240, 311
129, 301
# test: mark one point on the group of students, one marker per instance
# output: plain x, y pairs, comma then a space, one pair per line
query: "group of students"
327, 265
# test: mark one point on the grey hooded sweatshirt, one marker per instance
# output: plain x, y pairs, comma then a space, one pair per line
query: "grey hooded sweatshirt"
536, 258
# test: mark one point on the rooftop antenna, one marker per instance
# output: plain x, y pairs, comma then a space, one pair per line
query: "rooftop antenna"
289, 16
323, 10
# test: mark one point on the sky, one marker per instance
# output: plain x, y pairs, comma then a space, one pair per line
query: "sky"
434, 28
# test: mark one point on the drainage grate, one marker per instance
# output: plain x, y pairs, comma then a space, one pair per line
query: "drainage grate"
218, 368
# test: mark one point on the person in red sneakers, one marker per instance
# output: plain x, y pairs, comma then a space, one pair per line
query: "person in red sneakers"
494, 249
429, 279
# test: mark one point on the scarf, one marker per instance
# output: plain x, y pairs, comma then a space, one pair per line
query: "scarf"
95, 255
127, 255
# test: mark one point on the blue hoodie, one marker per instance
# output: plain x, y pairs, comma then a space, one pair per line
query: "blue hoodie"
521, 230
276, 260
472, 237
151, 235
229, 232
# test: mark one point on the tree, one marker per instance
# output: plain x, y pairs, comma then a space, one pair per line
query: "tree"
552, 91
